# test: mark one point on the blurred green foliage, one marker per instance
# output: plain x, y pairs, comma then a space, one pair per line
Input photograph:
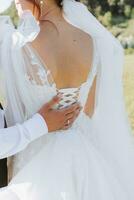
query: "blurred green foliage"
128, 78
116, 15
13, 13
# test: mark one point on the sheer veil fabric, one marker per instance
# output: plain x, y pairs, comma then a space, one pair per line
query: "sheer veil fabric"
111, 133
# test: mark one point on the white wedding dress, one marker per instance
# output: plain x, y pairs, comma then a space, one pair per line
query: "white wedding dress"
94, 159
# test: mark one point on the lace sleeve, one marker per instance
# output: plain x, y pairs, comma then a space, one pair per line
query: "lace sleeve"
27, 30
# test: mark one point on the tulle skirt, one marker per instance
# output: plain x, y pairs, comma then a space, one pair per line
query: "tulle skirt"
68, 167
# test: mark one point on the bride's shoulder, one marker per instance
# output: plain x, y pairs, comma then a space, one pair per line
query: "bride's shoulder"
26, 31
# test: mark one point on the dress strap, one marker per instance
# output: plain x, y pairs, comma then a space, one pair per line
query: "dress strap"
95, 66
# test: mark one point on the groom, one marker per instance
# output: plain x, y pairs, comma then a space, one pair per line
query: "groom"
3, 165
15, 139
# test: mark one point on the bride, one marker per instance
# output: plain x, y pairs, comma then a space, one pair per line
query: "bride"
59, 46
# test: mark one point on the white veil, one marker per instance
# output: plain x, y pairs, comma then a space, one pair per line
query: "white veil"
111, 132
111, 129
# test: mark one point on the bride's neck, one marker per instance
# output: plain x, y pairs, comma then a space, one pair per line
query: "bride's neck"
50, 10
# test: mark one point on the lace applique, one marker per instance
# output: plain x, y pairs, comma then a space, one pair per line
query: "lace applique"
38, 75
42, 76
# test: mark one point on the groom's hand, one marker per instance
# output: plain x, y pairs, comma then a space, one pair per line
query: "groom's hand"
59, 119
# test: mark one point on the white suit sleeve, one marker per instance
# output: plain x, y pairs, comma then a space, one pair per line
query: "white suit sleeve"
15, 139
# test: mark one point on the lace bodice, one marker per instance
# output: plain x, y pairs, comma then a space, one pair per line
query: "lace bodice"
45, 88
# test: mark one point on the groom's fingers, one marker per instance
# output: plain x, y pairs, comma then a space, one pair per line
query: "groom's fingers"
53, 102
74, 114
69, 115
72, 117
71, 108
55, 119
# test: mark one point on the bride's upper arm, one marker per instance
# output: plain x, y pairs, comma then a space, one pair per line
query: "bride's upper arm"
26, 31
28, 28
22, 5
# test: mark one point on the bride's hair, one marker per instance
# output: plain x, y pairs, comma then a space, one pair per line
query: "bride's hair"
36, 5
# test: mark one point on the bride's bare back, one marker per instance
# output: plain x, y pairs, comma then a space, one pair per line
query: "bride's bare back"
68, 53
66, 50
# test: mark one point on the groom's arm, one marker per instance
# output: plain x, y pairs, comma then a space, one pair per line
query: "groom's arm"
15, 139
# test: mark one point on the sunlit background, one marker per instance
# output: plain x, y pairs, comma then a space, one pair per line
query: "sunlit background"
118, 17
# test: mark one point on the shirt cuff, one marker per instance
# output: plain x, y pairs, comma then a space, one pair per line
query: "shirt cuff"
36, 126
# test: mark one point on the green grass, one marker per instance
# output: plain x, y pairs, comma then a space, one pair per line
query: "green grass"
129, 86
